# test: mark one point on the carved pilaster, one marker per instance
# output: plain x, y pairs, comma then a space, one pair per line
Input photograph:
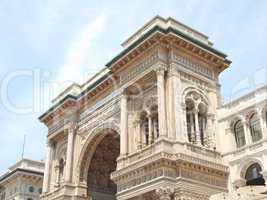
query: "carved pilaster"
124, 125
50, 152
70, 149
161, 100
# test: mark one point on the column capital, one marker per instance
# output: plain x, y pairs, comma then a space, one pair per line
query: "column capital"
173, 71
195, 110
73, 126
136, 122
183, 106
164, 193
259, 110
243, 119
160, 69
124, 93
50, 143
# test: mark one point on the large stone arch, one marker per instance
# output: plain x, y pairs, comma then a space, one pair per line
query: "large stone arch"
90, 145
246, 163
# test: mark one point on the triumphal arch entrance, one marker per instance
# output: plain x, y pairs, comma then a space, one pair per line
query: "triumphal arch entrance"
145, 126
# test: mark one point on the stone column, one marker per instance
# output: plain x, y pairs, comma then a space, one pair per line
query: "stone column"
192, 128
47, 172
138, 134
198, 139
57, 181
150, 129
124, 126
164, 193
70, 148
161, 101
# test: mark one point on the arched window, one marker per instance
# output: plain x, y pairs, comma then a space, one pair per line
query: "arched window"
196, 118
255, 128
202, 122
155, 122
239, 134
253, 175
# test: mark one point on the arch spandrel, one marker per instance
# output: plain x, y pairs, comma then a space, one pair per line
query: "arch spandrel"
191, 89
89, 147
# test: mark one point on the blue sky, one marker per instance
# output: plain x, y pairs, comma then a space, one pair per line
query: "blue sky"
62, 40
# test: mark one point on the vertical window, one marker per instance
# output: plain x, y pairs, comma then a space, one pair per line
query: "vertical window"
146, 127
255, 128
189, 127
190, 120
202, 126
239, 134
61, 169
155, 127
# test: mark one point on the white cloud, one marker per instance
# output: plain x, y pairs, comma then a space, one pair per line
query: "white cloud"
79, 51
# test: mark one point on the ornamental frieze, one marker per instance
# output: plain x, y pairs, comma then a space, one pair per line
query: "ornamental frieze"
140, 68
56, 126
204, 178
193, 66
167, 170
165, 165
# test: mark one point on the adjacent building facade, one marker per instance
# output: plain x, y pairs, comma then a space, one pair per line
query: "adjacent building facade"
23, 181
149, 125
243, 140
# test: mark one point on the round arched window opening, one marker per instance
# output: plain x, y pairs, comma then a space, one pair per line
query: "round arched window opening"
239, 134
253, 175
255, 128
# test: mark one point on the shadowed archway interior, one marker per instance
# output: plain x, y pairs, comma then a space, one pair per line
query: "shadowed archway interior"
103, 163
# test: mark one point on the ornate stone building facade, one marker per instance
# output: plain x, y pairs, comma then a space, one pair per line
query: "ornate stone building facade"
242, 137
23, 181
144, 127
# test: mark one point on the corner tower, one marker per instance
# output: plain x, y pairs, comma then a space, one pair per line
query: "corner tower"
169, 73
